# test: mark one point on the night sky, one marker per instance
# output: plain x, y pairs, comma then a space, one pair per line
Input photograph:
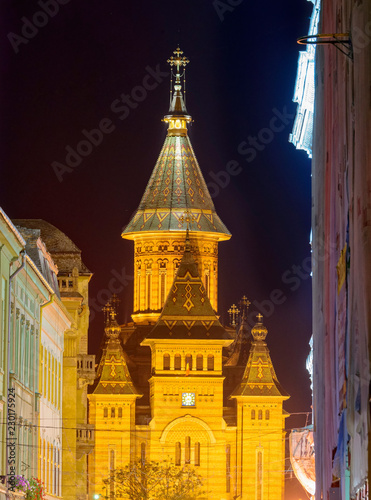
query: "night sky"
70, 74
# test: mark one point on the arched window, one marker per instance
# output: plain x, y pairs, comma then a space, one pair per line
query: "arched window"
188, 361
267, 415
113, 412
197, 454
210, 362
199, 362
187, 450
166, 362
178, 453
177, 362
252, 414
105, 412
260, 415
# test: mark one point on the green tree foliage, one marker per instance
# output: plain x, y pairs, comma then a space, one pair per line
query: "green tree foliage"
149, 480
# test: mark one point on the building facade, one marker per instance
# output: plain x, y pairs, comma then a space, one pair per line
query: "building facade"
174, 385
78, 368
341, 249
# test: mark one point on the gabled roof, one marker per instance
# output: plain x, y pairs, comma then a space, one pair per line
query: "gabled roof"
187, 313
259, 378
113, 374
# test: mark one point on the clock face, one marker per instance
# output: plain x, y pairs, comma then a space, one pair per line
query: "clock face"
188, 399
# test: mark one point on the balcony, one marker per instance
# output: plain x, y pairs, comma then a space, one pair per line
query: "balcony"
84, 439
85, 369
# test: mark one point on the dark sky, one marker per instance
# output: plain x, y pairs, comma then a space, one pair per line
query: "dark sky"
68, 74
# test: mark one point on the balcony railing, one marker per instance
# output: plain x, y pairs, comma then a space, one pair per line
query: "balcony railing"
85, 439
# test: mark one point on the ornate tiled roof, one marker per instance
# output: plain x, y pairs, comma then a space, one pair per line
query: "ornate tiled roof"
259, 378
187, 313
113, 374
176, 185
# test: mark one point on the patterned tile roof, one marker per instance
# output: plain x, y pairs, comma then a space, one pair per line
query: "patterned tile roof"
187, 313
176, 185
259, 378
113, 374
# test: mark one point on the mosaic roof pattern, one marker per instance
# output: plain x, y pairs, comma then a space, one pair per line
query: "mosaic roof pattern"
176, 185
259, 378
187, 312
113, 374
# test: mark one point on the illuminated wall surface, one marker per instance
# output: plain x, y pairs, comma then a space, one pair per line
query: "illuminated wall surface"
302, 130
180, 387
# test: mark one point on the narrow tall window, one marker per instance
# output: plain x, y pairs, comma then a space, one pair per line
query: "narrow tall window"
113, 412
105, 412
260, 415
112, 467
166, 362
210, 362
267, 415
187, 450
252, 414
143, 452
177, 362
178, 453
120, 412
228, 468
259, 476
148, 294
138, 290
188, 361
197, 454
207, 283
199, 362
162, 288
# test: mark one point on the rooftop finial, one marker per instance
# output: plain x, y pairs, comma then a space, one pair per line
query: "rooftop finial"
178, 116
259, 332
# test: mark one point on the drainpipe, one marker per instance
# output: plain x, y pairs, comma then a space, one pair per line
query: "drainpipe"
11, 277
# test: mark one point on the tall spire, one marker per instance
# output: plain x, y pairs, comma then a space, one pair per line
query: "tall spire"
176, 183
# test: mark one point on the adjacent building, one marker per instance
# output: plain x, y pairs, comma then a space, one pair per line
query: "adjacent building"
341, 248
78, 367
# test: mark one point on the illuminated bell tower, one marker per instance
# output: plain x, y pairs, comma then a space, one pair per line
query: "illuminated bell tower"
176, 199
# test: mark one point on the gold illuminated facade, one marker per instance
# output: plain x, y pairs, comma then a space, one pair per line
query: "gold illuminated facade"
175, 385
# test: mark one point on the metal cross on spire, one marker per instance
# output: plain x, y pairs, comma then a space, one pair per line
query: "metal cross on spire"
178, 60
233, 315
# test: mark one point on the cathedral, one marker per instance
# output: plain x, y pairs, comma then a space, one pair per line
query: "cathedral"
175, 384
